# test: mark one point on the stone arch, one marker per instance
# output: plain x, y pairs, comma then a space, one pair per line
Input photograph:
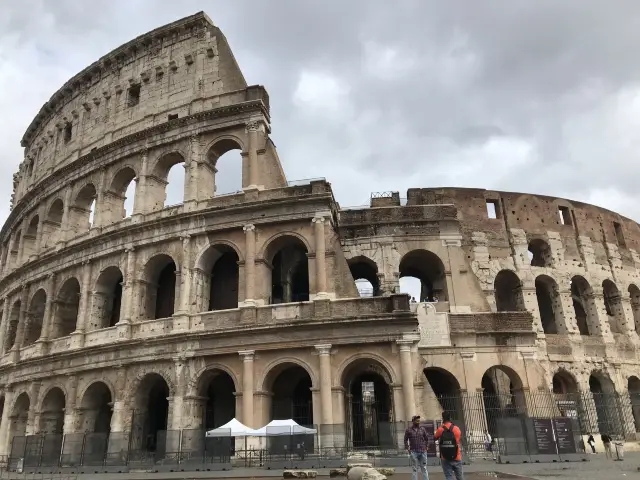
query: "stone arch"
35, 317
443, 393
584, 306
564, 383
365, 273
52, 411
107, 298
429, 269
502, 395
83, 208
287, 256
221, 159
169, 168
633, 386
115, 197
52, 229
12, 328
369, 403
159, 298
549, 305
605, 415
29, 243
634, 294
508, 292
613, 306
276, 367
96, 412
540, 254
151, 411
217, 389
19, 414
385, 369
67, 304
195, 382
15, 249
218, 277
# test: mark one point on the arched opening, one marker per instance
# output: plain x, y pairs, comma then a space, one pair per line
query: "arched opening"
35, 317
566, 393
540, 253
95, 419
52, 413
107, 299
503, 400
66, 309
218, 390
220, 262
613, 307
368, 405
426, 267
30, 237
443, 394
549, 304
287, 256
365, 273
584, 306
166, 186
18, 425
160, 292
226, 164
15, 249
81, 215
151, 413
119, 199
52, 229
633, 385
607, 414
634, 294
508, 288
12, 328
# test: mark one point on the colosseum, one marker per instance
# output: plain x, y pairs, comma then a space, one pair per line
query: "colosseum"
125, 333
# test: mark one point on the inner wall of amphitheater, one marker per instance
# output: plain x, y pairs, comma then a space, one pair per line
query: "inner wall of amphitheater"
246, 305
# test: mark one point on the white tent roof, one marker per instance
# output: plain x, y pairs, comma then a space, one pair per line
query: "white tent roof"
233, 428
283, 427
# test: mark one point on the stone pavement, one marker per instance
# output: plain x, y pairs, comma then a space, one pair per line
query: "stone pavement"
598, 468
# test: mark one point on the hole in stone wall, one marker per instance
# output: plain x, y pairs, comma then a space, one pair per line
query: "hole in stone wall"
493, 210
133, 95
565, 215
617, 227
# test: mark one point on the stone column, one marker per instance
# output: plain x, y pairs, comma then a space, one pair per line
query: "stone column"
321, 267
120, 410
5, 440
181, 316
124, 325
326, 429
77, 337
141, 186
252, 132
99, 207
23, 231
48, 318
65, 231
247, 387
33, 417
4, 325
192, 164
70, 411
22, 319
406, 371
41, 216
250, 265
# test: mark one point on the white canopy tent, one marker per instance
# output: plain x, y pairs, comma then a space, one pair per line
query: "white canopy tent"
233, 428
283, 427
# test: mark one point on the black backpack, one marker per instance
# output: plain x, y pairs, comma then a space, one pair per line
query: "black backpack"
448, 444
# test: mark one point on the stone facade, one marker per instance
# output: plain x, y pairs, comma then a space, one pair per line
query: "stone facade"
246, 304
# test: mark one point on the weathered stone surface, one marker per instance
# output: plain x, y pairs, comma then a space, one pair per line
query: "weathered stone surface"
364, 473
359, 464
386, 471
338, 472
299, 474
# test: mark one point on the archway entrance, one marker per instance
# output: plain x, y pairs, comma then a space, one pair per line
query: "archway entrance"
35, 318
66, 309
218, 389
508, 288
18, 425
289, 270
368, 406
446, 390
503, 400
606, 412
151, 413
584, 306
95, 420
107, 299
160, 292
365, 273
567, 395
291, 395
633, 385
429, 270
52, 413
549, 304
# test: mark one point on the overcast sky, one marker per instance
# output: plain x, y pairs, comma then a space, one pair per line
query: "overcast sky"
376, 95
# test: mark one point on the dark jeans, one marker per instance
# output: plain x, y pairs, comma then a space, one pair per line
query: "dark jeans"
451, 468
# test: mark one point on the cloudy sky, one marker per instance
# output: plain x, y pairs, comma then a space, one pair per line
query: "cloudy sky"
376, 95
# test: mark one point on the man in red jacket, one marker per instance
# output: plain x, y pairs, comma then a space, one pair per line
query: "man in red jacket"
448, 436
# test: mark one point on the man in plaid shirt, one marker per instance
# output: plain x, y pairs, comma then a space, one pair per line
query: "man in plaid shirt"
416, 440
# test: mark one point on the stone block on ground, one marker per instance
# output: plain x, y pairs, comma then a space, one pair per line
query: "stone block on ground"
337, 472
359, 464
364, 473
386, 471
299, 474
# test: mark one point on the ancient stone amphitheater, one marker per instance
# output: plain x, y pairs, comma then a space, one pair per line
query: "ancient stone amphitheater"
121, 331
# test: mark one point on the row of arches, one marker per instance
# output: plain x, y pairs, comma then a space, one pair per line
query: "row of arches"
216, 284
164, 185
509, 297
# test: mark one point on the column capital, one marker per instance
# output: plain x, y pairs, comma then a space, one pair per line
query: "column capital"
247, 355
130, 249
324, 349
252, 125
185, 237
317, 220
405, 344
249, 228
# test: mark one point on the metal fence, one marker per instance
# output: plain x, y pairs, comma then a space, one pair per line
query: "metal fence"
520, 423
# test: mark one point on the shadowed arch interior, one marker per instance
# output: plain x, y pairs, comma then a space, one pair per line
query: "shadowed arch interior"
613, 306
605, 398
66, 309
107, 299
290, 387
12, 328
20, 415
446, 389
540, 253
427, 267
217, 389
583, 306
634, 294
287, 256
52, 412
221, 277
549, 303
30, 238
81, 215
508, 288
633, 385
160, 292
35, 317
96, 410
365, 270
151, 411
51, 232
122, 186
502, 396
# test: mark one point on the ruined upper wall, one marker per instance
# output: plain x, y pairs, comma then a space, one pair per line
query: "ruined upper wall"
171, 72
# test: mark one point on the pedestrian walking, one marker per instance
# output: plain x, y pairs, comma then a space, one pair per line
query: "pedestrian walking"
606, 441
416, 440
448, 436
592, 443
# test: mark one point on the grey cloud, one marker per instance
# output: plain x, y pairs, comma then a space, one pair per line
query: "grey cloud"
520, 95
